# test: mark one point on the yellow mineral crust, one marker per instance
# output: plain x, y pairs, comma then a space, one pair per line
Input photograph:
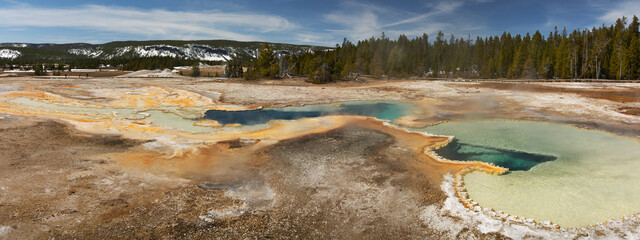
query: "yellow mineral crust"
150, 97
121, 116
180, 102
208, 123
190, 160
93, 119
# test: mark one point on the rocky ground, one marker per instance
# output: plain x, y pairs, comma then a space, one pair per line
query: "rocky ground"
362, 180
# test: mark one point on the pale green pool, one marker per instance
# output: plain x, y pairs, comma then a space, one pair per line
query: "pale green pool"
595, 177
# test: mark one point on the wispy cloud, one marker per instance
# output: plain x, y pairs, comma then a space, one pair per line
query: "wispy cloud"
438, 9
358, 26
313, 38
361, 20
626, 8
151, 23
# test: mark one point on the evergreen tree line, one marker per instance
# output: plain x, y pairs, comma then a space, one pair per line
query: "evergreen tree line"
611, 52
127, 64
607, 52
265, 66
269, 65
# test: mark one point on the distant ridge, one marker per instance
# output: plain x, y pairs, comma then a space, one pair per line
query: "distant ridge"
204, 50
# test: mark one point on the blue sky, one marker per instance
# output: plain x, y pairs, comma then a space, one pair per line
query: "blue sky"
292, 21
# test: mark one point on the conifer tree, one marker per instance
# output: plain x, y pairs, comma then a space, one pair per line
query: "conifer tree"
195, 71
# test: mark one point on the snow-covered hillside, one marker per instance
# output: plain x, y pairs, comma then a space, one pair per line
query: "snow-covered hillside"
86, 52
119, 52
9, 54
15, 45
200, 50
190, 51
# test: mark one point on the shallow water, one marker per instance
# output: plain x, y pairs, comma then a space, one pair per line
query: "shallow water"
594, 178
380, 110
160, 118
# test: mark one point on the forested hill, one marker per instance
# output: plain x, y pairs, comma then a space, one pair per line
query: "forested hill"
201, 50
606, 52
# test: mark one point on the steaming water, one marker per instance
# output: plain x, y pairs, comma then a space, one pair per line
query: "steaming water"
594, 178
380, 110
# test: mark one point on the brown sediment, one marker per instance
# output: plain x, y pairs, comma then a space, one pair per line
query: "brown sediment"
378, 180
160, 96
388, 175
48, 172
285, 130
631, 111
355, 179
198, 158
616, 95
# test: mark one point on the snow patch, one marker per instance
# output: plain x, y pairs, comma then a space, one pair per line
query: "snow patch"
85, 70
15, 45
157, 51
92, 53
190, 51
119, 52
251, 52
166, 73
9, 54
206, 53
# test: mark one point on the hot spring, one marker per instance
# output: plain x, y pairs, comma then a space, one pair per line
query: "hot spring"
380, 110
570, 176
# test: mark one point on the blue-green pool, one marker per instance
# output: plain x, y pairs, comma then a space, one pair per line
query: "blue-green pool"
380, 110
594, 178
512, 159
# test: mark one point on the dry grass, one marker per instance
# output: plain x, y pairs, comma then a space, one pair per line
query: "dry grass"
210, 71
